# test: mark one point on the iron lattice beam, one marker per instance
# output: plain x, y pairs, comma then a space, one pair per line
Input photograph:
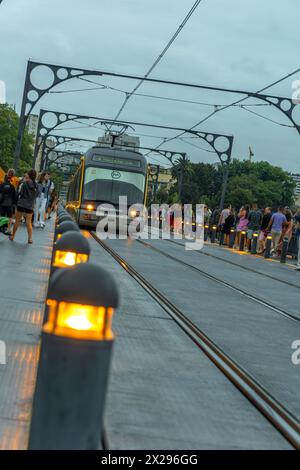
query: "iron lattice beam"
59, 140
59, 74
44, 131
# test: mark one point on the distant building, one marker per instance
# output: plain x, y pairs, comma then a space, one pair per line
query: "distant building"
32, 124
165, 180
125, 141
296, 178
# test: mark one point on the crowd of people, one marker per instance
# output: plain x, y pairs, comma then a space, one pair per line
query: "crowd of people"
30, 199
280, 223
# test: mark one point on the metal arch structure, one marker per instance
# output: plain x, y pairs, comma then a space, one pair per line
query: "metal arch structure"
60, 140
60, 73
57, 140
44, 131
62, 154
211, 138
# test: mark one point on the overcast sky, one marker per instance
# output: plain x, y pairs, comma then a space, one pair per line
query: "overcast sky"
239, 44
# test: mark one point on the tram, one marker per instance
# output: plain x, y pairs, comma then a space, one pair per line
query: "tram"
103, 175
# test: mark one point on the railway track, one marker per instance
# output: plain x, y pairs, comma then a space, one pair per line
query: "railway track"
278, 415
203, 253
240, 291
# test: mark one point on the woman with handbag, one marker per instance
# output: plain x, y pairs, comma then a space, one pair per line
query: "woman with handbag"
25, 204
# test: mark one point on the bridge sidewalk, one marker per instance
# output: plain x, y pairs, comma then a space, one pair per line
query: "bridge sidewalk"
23, 282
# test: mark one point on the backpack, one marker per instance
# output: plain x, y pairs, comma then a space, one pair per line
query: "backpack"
5, 189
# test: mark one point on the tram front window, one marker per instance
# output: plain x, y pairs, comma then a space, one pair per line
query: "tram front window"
106, 185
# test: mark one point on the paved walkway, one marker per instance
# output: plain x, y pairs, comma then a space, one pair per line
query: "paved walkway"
23, 281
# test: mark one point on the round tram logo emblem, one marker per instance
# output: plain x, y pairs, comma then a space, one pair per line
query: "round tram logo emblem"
115, 175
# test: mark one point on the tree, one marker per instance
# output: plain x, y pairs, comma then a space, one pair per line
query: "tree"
249, 182
57, 176
9, 124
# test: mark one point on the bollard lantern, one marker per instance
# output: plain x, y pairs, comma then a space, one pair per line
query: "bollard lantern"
285, 246
242, 241
213, 234
74, 363
72, 248
254, 243
231, 238
206, 228
268, 247
63, 227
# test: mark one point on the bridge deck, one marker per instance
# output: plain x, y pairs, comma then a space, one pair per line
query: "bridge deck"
23, 282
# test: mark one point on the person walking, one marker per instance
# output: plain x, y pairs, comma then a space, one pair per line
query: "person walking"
228, 225
276, 226
287, 231
8, 197
264, 229
297, 220
254, 219
223, 216
45, 188
25, 205
242, 225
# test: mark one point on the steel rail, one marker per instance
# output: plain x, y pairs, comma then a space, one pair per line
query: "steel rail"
279, 416
256, 299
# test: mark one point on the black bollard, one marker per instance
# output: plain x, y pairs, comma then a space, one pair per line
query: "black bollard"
213, 234
242, 241
268, 247
206, 229
74, 363
221, 242
232, 238
285, 246
254, 243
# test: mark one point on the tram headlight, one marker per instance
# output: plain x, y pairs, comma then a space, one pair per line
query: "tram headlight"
133, 213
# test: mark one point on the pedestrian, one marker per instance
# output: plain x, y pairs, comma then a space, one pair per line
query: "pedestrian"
223, 216
242, 225
52, 206
254, 221
264, 229
228, 224
297, 220
8, 197
276, 226
214, 219
45, 188
25, 204
287, 230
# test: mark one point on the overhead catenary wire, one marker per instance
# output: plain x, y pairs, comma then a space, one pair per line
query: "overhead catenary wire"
145, 95
161, 55
230, 105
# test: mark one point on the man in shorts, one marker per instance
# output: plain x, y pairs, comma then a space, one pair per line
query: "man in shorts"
276, 226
